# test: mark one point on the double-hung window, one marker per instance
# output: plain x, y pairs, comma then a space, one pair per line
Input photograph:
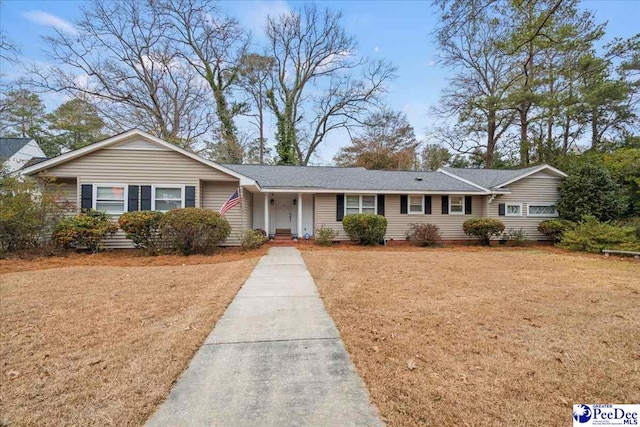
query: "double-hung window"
541, 209
356, 204
456, 205
513, 209
110, 198
416, 204
166, 198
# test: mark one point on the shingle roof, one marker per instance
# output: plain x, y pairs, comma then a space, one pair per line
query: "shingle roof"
34, 161
489, 178
10, 146
339, 178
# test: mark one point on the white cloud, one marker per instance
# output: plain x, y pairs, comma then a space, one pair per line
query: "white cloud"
432, 63
376, 49
49, 20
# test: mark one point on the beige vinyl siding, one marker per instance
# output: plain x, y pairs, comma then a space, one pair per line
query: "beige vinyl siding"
136, 167
247, 199
214, 194
68, 188
541, 188
325, 215
450, 224
399, 224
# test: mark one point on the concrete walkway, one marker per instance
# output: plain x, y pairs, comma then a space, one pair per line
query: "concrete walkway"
275, 358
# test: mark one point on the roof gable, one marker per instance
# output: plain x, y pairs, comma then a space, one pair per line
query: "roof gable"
498, 178
129, 140
10, 146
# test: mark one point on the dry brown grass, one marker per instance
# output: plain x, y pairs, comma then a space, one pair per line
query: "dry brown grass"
101, 345
498, 337
123, 258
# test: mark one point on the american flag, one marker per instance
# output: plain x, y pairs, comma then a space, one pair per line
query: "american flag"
232, 201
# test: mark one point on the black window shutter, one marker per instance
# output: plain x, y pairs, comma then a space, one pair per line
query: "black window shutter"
381, 204
132, 204
339, 207
427, 205
404, 201
145, 198
467, 205
445, 205
501, 209
190, 196
86, 196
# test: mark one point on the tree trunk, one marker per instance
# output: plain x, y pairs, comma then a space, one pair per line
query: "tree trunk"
524, 140
491, 140
594, 129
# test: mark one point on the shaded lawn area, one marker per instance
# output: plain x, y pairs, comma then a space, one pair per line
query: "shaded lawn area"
498, 337
102, 345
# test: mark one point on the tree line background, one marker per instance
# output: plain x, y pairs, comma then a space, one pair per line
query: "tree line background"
530, 82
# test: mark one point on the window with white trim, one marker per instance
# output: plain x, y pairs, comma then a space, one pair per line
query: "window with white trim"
540, 209
456, 205
416, 204
167, 198
513, 209
110, 199
356, 204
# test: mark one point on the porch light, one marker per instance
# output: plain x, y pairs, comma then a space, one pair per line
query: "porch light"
272, 202
295, 201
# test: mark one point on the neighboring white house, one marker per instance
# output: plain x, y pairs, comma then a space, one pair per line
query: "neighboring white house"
17, 152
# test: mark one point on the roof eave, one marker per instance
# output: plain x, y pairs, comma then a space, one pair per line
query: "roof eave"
531, 172
357, 191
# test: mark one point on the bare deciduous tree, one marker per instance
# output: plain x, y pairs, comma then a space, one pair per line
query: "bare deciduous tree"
256, 74
214, 46
121, 60
317, 88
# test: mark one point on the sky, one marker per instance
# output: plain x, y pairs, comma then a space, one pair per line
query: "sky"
399, 31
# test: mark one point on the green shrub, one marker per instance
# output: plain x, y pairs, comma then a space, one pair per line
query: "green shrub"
483, 228
84, 231
28, 212
425, 235
555, 228
193, 230
325, 236
590, 190
633, 221
518, 237
143, 228
589, 235
366, 229
252, 239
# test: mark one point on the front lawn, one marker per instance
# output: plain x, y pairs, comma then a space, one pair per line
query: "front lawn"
485, 336
101, 344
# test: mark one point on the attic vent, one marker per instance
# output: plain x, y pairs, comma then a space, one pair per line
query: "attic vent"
418, 178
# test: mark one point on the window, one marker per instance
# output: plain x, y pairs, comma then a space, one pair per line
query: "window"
456, 205
513, 209
360, 204
110, 199
416, 204
167, 198
542, 210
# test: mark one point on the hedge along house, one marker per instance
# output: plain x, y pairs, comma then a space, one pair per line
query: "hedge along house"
137, 171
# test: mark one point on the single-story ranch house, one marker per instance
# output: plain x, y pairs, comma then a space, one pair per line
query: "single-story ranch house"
137, 171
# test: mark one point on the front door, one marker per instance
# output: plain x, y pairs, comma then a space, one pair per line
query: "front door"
284, 214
